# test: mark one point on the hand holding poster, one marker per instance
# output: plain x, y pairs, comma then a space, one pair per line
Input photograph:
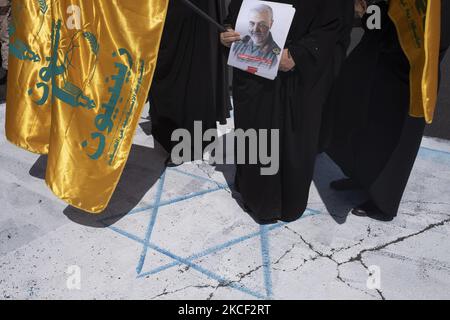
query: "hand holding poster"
264, 27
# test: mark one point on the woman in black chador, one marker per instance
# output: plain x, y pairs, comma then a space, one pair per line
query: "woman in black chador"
292, 103
375, 141
190, 82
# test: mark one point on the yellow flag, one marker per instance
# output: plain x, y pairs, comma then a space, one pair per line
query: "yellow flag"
104, 55
28, 110
418, 25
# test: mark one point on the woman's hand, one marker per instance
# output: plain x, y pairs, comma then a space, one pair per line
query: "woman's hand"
227, 38
287, 63
360, 7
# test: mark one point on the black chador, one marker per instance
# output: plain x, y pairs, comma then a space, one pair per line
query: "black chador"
347, 11
375, 141
191, 80
292, 104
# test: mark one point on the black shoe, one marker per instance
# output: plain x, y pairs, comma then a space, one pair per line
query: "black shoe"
265, 222
344, 185
370, 210
367, 209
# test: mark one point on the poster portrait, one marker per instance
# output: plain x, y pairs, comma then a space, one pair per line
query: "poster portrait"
264, 27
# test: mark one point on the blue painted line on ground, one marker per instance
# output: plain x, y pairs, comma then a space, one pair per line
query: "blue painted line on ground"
127, 235
224, 246
208, 273
265, 253
188, 261
177, 199
436, 157
223, 187
181, 261
162, 204
151, 223
211, 250
263, 233
425, 149
311, 212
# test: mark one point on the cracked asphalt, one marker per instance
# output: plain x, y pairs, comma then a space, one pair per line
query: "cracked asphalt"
202, 245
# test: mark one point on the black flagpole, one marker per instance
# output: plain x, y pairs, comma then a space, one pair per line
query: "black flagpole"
203, 15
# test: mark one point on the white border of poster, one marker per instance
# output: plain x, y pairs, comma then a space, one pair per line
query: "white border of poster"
283, 15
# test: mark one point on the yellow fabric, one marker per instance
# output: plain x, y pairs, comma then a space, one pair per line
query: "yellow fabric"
28, 110
106, 68
104, 54
418, 24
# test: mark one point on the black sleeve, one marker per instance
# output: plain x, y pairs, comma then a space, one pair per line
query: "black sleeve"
348, 17
313, 52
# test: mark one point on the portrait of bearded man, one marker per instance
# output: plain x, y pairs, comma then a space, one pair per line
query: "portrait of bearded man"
258, 49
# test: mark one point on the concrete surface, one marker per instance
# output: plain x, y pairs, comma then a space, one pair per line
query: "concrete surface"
179, 234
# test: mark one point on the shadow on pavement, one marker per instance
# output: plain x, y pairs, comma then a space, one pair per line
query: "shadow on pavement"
146, 127
228, 169
144, 167
338, 204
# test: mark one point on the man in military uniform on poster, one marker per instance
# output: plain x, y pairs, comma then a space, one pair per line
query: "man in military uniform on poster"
258, 48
